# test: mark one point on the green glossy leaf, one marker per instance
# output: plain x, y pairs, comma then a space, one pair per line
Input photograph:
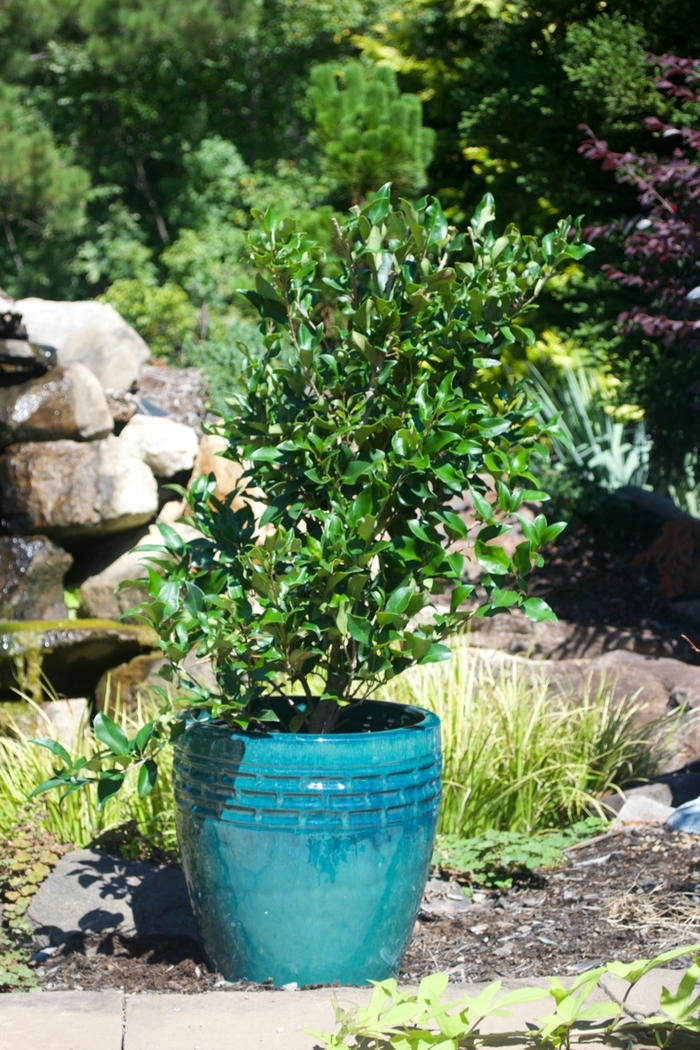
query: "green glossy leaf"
481, 505
537, 609
173, 540
484, 213
145, 733
399, 599
435, 223
54, 747
108, 786
359, 629
108, 732
492, 557
49, 785
356, 469
437, 654
148, 774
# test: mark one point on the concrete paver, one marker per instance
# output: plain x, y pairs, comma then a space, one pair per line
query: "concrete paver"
233, 1020
61, 1021
645, 996
277, 1020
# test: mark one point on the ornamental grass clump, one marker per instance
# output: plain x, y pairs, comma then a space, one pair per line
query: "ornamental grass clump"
79, 817
523, 755
379, 398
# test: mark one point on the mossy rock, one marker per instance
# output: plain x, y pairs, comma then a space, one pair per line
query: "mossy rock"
70, 655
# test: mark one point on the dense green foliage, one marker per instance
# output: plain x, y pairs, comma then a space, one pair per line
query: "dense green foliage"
368, 131
374, 405
501, 859
366, 416
507, 86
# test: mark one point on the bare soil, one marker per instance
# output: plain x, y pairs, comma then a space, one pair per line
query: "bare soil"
622, 896
604, 572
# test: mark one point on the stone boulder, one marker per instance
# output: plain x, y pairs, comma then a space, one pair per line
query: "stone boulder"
177, 392
564, 640
90, 891
90, 332
21, 360
686, 818
641, 810
69, 719
31, 578
98, 594
210, 461
168, 447
656, 685
129, 680
656, 791
122, 406
69, 488
64, 403
51, 322
229, 476
134, 678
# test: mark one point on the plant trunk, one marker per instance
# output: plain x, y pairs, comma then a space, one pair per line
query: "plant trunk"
323, 716
13, 246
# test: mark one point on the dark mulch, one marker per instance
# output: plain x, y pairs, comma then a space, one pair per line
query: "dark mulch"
592, 576
156, 964
623, 896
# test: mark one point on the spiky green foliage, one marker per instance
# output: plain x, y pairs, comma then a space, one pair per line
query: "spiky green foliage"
369, 133
39, 188
80, 817
519, 755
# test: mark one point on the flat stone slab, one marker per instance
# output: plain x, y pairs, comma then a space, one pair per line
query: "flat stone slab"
240, 1020
61, 1021
91, 892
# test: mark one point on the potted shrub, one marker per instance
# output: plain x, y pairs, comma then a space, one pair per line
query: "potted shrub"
306, 809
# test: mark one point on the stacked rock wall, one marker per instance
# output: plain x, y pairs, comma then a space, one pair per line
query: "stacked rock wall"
90, 433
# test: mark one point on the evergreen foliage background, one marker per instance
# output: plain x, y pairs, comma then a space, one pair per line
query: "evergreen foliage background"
136, 136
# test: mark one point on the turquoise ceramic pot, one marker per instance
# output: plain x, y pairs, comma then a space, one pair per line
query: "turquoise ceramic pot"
306, 856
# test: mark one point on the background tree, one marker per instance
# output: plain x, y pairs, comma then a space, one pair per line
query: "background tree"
186, 115
661, 246
368, 132
40, 191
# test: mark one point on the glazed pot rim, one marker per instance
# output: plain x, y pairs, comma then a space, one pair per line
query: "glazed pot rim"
424, 720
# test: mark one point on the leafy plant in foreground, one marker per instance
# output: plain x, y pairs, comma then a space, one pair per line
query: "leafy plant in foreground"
395, 1020
356, 440
379, 398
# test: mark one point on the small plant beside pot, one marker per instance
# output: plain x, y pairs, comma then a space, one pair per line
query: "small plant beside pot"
306, 809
